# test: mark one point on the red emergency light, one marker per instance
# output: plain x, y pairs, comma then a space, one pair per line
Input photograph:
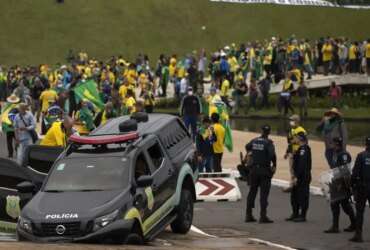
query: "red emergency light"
103, 139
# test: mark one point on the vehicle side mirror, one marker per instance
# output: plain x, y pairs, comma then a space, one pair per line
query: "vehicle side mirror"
144, 181
26, 187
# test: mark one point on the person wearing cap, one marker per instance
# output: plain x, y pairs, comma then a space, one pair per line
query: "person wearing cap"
263, 167
332, 125
24, 122
8, 113
341, 158
190, 109
361, 187
302, 164
293, 143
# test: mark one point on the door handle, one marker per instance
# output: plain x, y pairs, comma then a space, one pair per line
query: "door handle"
170, 172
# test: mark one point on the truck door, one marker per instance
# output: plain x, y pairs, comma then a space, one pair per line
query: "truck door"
11, 202
163, 172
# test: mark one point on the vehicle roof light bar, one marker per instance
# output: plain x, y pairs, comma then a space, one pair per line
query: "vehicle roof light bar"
103, 139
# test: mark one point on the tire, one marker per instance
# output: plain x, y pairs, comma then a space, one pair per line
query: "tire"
134, 239
135, 236
184, 218
20, 238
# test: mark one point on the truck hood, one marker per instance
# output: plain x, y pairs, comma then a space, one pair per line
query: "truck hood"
72, 205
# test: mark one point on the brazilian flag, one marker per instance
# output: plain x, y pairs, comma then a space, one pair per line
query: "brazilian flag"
224, 117
89, 91
7, 117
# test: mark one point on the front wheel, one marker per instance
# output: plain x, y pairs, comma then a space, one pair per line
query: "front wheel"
184, 219
20, 238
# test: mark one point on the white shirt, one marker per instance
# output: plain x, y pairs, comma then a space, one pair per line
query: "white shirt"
183, 85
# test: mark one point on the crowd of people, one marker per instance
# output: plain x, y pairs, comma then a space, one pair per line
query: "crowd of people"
117, 87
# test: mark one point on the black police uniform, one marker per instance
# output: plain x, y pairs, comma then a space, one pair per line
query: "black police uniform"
300, 195
263, 154
341, 158
361, 187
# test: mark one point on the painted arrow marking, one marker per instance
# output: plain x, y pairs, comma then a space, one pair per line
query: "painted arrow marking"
210, 187
226, 187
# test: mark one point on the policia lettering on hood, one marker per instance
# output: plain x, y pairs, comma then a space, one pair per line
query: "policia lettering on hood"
61, 216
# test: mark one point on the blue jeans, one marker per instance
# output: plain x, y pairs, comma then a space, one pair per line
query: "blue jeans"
191, 121
22, 149
206, 164
329, 153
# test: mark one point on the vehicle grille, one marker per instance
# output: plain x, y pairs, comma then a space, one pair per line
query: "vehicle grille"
71, 229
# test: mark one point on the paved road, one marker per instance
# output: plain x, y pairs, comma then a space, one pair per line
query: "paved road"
226, 219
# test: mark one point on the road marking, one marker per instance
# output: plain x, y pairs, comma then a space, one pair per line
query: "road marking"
198, 231
271, 244
212, 188
283, 184
268, 243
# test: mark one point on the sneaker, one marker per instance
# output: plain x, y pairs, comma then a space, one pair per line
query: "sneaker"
265, 220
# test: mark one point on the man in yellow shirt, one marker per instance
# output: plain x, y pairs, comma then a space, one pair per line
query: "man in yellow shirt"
225, 87
352, 56
130, 102
47, 97
327, 55
58, 134
218, 145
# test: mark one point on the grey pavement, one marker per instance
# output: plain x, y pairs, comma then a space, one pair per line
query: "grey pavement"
227, 220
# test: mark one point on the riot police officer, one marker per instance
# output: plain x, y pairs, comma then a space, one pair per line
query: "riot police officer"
361, 188
263, 167
341, 158
300, 194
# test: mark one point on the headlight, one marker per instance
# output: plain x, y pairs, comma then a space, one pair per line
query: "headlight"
105, 220
25, 224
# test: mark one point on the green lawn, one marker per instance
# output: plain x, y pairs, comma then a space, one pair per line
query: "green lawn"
42, 31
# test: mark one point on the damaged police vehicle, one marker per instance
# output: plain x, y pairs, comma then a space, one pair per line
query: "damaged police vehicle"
124, 183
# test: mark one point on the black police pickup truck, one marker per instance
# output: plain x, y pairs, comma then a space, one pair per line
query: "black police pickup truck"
124, 183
